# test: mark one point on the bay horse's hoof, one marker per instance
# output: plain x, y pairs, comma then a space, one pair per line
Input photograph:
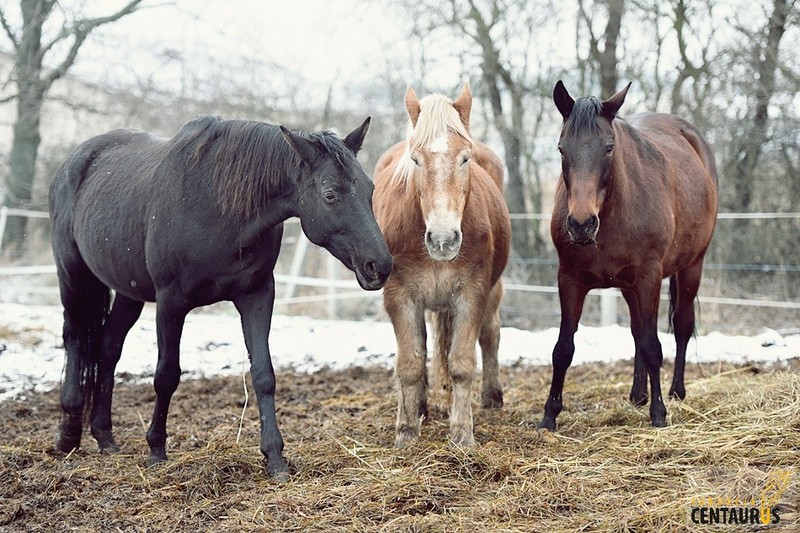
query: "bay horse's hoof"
492, 399
547, 423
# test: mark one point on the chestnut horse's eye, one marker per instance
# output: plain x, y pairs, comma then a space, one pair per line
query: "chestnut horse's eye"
415, 159
464, 159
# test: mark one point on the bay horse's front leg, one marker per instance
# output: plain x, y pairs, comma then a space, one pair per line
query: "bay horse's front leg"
571, 295
256, 312
169, 326
408, 321
648, 293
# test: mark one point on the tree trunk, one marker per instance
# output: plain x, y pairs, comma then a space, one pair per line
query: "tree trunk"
745, 159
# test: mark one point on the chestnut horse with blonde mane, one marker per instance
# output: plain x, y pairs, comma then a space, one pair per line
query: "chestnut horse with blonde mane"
636, 203
438, 201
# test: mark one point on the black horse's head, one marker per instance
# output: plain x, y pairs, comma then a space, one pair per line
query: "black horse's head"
587, 158
334, 203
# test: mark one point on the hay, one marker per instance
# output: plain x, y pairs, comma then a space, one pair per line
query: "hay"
605, 469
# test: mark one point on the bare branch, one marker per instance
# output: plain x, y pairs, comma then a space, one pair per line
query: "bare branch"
81, 29
9, 30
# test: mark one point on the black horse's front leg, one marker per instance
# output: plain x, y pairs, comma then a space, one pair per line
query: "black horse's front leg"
169, 326
256, 312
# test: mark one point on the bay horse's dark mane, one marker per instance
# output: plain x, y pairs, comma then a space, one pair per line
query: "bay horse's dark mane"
247, 160
583, 116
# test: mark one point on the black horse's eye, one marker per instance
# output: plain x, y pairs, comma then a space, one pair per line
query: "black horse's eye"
560, 151
329, 196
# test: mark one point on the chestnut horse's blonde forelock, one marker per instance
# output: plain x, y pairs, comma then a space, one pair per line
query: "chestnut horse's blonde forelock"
437, 118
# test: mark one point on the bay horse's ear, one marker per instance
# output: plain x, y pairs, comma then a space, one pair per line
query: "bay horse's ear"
562, 99
355, 138
612, 105
305, 148
463, 104
412, 105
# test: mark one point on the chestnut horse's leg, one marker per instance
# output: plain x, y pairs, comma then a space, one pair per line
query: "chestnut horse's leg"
442, 332
638, 394
256, 312
571, 293
169, 326
489, 339
462, 365
647, 292
123, 315
688, 283
408, 321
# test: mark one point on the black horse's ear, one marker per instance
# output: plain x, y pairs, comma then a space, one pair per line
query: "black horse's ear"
355, 138
563, 100
305, 148
612, 105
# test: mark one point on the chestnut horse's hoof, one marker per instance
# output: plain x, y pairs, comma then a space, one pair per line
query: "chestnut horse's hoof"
492, 399
404, 437
462, 438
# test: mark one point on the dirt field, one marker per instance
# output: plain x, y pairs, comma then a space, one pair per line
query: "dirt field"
605, 470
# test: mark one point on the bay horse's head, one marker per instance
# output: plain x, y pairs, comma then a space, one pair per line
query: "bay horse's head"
587, 158
436, 163
334, 203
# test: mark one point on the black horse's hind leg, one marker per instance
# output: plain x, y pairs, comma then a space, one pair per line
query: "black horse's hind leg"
169, 326
256, 312
688, 283
638, 394
85, 300
571, 296
123, 315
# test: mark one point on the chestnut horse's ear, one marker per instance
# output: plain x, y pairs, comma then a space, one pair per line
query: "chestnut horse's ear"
305, 148
463, 104
612, 105
412, 105
355, 138
562, 99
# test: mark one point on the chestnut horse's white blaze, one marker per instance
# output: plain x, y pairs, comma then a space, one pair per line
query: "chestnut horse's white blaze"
438, 200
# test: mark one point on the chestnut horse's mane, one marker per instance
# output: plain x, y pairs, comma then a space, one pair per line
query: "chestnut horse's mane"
437, 117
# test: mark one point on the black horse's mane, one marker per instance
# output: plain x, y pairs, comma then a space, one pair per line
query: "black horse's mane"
249, 162
583, 116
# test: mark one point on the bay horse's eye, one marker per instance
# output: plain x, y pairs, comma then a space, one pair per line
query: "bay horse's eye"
609, 149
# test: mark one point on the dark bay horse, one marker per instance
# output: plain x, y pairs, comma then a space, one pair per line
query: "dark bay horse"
186, 222
439, 203
636, 203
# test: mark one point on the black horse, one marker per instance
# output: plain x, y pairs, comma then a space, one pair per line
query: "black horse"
186, 222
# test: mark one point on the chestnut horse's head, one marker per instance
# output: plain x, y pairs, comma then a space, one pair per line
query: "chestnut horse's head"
587, 158
436, 162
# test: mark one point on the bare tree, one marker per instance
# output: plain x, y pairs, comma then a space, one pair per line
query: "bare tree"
745, 158
33, 80
604, 58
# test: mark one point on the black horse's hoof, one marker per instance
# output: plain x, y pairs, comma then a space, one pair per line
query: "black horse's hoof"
105, 441
547, 423
677, 393
638, 397
67, 441
157, 457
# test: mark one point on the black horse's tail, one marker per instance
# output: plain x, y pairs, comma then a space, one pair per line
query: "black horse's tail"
97, 302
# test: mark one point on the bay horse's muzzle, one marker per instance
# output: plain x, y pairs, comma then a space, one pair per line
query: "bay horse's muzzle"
583, 233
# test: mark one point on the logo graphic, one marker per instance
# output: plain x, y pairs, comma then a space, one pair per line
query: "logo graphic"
761, 509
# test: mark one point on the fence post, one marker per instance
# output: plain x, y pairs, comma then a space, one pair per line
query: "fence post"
608, 307
3, 218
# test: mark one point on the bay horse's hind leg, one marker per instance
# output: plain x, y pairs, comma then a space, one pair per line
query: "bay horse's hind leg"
687, 283
638, 395
489, 340
85, 300
123, 315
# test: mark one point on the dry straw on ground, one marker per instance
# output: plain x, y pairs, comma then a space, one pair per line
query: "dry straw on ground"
605, 470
